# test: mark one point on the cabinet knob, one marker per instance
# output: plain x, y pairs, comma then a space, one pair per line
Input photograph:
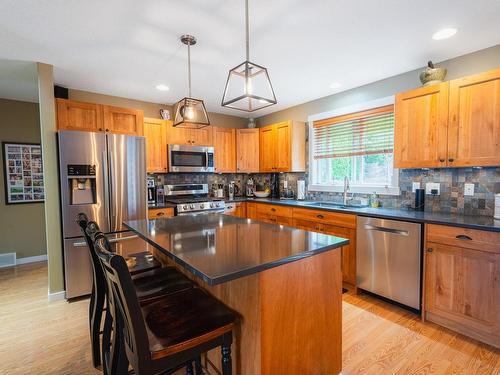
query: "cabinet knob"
451, 160
441, 160
107, 130
430, 250
319, 216
273, 209
100, 129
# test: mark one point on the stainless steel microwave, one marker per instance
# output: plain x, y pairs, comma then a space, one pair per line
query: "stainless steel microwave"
184, 158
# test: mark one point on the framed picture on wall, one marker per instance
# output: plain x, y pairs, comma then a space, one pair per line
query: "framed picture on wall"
23, 173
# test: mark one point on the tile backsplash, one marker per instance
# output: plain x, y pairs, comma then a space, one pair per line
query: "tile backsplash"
451, 199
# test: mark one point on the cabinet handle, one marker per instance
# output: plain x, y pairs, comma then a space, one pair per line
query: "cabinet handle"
430, 250
100, 129
319, 216
273, 209
451, 160
160, 214
442, 160
107, 129
463, 237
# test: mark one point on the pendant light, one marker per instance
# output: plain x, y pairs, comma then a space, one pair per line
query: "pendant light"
248, 87
190, 112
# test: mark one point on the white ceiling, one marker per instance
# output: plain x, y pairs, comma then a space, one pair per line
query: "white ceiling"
127, 47
18, 81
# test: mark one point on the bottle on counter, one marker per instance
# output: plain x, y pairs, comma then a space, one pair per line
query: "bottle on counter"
375, 201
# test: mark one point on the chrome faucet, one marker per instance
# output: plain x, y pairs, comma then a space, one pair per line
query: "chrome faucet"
346, 189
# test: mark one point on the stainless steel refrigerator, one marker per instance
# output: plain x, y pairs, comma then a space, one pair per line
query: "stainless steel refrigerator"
103, 176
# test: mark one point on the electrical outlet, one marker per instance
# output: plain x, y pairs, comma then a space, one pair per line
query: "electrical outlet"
469, 189
415, 186
432, 186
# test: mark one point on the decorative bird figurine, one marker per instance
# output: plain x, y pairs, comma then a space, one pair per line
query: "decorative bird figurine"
432, 75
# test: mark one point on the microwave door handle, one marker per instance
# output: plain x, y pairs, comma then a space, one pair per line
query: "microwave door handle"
206, 159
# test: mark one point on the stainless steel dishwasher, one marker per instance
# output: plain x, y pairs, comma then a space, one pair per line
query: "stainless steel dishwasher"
388, 259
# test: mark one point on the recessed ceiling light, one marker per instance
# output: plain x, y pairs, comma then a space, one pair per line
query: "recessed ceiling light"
162, 87
335, 85
444, 33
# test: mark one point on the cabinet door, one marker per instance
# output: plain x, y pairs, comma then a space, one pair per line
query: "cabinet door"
283, 135
178, 135
420, 128
123, 120
474, 130
267, 152
73, 115
251, 210
462, 286
307, 225
155, 131
201, 137
247, 150
225, 150
348, 251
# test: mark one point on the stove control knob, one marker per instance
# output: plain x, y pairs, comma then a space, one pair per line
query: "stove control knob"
202, 205
217, 204
211, 205
191, 206
185, 207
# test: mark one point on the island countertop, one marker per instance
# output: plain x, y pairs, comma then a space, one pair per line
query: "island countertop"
219, 248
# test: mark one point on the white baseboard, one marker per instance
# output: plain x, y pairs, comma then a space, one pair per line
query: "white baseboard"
58, 296
36, 258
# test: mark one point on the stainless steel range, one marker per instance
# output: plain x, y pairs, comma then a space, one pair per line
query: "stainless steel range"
192, 199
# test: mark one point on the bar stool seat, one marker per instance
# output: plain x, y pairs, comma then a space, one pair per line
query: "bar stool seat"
158, 282
181, 321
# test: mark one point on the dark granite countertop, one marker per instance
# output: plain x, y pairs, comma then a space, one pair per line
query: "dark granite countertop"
464, 221
219, 248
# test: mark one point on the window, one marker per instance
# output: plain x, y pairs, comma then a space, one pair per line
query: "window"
358, 145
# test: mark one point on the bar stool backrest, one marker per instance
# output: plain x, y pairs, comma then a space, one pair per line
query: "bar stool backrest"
125, 303
89, 229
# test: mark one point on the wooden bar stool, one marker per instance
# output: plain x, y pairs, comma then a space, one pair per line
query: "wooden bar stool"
150, 283
171, 331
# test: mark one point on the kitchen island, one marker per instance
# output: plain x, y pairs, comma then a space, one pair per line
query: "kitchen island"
285, 284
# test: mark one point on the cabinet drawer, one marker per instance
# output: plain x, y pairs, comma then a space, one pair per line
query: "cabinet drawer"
271, 209
273, 219
157, 213
332, 218
464, 237
307, 225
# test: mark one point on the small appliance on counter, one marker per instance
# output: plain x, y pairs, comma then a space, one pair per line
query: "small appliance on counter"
250, 188
275, 185
160, 194
419, 199
287, 192
301, 190
151, 190
232, 189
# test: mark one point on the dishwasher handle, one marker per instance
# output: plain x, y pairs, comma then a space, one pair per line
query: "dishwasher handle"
387, 230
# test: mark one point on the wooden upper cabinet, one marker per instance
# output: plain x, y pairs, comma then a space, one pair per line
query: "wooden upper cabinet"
155, 131
247, 150
474, 129
73, 115
267, 149
189, 136
224, 150
123, 120
420, 128
282, 147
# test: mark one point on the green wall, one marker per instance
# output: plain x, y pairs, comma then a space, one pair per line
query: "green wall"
23, 225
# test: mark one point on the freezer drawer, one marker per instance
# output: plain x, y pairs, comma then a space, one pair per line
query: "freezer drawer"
388, 259
77, 263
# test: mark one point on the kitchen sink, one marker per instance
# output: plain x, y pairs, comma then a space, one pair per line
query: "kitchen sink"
335, 205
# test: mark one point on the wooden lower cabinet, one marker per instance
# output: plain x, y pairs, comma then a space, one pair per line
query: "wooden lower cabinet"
160, 213
274, 219
462, 284
251, 210
238, 209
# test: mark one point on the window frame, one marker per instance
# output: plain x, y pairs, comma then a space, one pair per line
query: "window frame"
363, 189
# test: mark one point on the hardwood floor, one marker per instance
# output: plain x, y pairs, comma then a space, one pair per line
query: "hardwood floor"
52, 338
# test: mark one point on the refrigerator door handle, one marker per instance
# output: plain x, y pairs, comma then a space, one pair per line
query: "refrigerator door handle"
120, 239
111, 187
106, 185
79, 244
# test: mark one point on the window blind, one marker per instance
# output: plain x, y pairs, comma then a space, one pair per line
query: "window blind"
360, 133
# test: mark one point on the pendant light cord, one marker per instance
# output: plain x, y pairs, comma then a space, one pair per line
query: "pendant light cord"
189, 69
247, 30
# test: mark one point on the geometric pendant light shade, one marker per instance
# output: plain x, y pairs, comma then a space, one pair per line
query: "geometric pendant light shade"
248, 87
190, 112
